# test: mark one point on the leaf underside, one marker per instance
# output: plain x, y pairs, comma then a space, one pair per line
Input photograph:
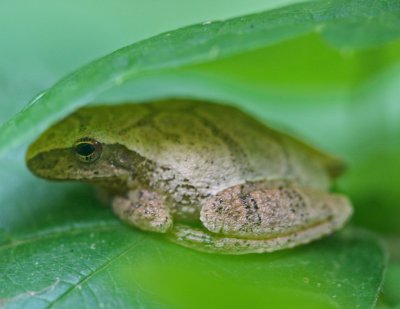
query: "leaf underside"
344, 24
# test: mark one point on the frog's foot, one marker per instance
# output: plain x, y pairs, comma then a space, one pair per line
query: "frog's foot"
144, 209
201, 239
264, 216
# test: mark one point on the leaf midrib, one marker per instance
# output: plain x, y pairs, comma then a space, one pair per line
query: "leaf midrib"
86, 278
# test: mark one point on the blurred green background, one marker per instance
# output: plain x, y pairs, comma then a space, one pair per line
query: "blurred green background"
343, 100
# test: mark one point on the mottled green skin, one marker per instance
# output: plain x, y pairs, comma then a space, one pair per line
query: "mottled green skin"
179, 155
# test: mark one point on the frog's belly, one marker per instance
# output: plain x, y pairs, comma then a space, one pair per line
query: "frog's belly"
186, 213
186, 207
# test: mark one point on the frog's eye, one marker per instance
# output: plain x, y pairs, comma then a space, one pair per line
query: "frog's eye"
87, 149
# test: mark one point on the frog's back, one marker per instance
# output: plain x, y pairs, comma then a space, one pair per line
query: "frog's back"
209, 146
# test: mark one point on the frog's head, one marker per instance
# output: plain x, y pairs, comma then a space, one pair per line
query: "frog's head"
77, 148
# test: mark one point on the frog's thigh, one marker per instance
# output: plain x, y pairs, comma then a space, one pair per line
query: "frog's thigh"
261, 210
143, 209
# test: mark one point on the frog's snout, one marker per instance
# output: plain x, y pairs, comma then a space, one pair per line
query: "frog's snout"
43, 165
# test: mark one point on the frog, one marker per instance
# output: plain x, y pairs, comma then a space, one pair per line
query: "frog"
207, 175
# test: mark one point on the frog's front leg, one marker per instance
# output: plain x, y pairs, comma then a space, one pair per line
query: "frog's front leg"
264, 216
144, 209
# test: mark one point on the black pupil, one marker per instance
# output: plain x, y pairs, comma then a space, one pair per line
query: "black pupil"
85, 149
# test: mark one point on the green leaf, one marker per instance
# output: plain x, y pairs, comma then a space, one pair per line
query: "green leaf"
64, 249
345, 24
390, 297
391, 287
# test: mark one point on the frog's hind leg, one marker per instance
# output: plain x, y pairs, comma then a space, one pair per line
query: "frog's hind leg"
264, 216
143, 209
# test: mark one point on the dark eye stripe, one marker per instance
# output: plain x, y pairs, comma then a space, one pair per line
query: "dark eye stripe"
87, 149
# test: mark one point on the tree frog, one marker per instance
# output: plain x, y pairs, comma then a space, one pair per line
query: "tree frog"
208, 176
